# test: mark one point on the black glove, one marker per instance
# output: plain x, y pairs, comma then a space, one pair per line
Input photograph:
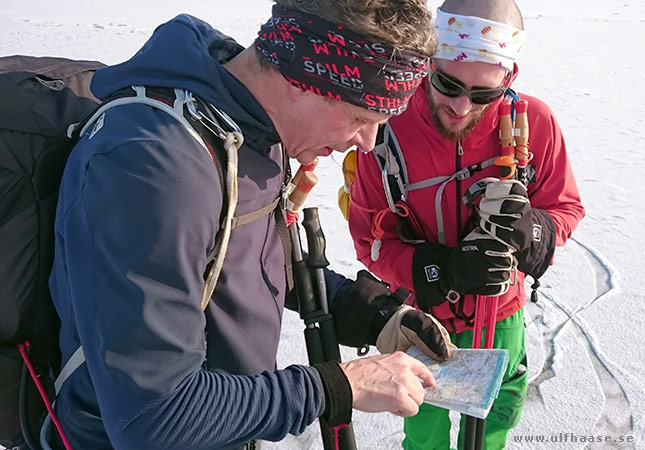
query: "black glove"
478, 265
507, 215
368, 313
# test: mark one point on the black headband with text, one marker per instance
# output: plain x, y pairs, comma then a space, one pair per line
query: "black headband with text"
332, 61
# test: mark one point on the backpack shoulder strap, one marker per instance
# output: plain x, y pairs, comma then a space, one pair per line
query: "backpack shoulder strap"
230, 134
232, 140
391, 163
396, 183
220, 125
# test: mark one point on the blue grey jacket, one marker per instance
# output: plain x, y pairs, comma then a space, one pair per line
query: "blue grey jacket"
139, 206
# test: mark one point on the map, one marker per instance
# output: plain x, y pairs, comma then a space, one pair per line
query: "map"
468, 382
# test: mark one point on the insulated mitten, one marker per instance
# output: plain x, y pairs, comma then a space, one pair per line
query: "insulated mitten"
369, 313
507, 215
478, 265
409, 326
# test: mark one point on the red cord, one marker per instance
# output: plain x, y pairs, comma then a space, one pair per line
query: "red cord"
23, 352
336, 431
377, 220
291, 217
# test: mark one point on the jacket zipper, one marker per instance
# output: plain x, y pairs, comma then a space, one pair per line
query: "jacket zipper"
459, 151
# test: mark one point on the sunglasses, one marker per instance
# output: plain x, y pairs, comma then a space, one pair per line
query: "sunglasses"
453, 89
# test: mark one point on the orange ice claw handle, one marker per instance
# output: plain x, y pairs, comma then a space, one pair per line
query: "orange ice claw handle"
506, 161
505, 125
521, 133
306, 181
506, 164
303, 169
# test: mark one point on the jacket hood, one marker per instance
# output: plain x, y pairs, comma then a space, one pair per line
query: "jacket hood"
188, 53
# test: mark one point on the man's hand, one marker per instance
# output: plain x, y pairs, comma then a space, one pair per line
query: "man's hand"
478, 265
391, 383
368, 313
506, 214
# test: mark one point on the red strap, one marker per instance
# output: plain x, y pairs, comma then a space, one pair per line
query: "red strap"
525, 155
485, 315
491, 320
480, 306
23, 352
291, 217
336, 431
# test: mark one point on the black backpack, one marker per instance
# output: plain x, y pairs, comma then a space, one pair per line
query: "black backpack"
41, 97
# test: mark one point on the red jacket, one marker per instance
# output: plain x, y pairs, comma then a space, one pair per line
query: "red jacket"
427, 155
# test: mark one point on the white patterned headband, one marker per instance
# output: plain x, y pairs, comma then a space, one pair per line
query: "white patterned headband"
473, 39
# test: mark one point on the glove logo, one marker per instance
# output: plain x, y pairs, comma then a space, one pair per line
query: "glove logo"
537, 232
432, 273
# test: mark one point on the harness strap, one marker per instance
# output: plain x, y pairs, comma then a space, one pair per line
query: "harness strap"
283, 232
281, 225
254, 215
232, 144
77, 358
389, 158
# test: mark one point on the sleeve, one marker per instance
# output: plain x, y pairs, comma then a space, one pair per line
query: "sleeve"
368, 207
138, 240
555, 190
335, 283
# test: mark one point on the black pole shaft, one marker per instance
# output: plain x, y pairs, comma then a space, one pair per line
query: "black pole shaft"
470, 431
317, 261
480, 434
320, 336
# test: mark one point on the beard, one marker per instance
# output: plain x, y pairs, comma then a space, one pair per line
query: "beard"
454, 135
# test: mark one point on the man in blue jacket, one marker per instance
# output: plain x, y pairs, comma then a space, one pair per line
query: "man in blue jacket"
141, 203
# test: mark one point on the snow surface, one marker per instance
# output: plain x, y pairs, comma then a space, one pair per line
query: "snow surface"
585, 59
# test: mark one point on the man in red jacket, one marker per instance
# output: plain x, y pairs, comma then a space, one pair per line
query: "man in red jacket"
435, 245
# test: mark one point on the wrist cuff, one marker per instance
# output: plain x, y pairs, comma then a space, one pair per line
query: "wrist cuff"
428, 275
338, 394
536, 259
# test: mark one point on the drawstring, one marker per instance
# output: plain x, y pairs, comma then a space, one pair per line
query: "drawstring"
377, 233
377, 221
534, 292
41, 390
402, 210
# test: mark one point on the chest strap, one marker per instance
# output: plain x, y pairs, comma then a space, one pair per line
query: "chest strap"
396, 182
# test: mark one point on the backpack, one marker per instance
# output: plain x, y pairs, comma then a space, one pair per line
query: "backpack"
47, 106
41, 97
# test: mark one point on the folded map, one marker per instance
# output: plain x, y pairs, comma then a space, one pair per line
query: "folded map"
468, 382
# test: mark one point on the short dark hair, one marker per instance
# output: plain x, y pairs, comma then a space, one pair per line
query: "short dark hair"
403, 24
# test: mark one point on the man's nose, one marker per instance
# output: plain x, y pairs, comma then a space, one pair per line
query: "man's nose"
461, 105
365, 139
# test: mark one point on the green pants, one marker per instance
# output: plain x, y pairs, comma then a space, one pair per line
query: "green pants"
430, 428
